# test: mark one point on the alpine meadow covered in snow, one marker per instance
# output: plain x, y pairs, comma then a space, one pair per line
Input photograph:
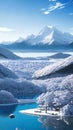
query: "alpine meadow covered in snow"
36, 64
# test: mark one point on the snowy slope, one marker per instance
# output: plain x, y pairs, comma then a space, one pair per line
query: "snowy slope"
60, 68
59, 93
59, 88
5, 72
4, 53
20, 88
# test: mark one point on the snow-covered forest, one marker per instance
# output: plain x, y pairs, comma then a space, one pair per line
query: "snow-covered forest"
49, 78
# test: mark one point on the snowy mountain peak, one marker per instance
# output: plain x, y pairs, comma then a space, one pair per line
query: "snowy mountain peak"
30, 37
51, 35
46, 30
48, 38
20, 39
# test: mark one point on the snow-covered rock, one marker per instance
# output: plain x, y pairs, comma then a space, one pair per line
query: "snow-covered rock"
61, 68
5, 72
6, 54
7, 97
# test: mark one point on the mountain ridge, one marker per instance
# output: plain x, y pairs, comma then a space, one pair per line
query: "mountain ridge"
47, 38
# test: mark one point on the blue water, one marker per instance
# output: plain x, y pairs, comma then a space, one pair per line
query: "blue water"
21, 121
28, 122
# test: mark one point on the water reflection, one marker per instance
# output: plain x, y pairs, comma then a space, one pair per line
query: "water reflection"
7, 109
57, 123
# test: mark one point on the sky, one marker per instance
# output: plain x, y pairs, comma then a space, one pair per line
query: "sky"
19, 18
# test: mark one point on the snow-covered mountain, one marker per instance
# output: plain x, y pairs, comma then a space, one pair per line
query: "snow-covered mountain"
4, 53
61, 68
20, 88
59, 55
48, 38
58, 80
59, 94
52, 35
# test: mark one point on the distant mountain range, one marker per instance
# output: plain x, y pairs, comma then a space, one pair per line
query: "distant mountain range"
49, 38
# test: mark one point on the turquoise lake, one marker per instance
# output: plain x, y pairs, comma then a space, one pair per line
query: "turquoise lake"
28, 122
21, 121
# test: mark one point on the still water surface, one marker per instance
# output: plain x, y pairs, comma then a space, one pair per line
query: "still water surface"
27, 122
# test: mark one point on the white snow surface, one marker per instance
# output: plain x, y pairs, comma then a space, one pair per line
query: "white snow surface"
56, 67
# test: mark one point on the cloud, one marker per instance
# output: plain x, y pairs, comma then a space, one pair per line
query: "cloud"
55, 5
52, 0
70, 13
5, 29
43, 9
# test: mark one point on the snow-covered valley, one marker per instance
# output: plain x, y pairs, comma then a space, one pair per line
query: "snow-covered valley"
21, 78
